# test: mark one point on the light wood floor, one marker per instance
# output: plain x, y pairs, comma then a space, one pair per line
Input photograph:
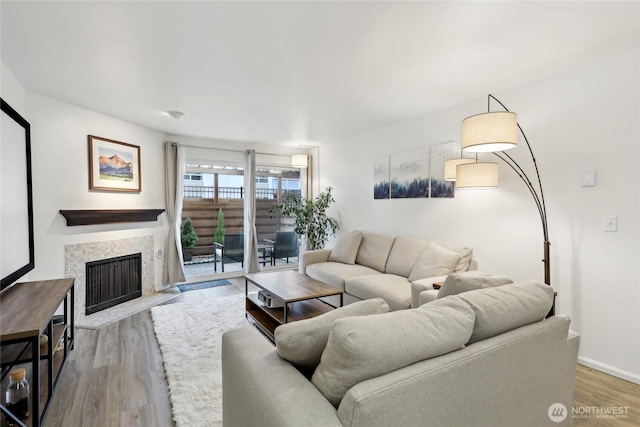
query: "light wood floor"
595, 391
114, 377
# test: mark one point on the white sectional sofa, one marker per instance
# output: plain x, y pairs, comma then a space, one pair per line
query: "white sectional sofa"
486, 357
395, 268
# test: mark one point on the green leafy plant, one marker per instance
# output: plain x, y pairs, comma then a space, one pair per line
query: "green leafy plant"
188, 235
311, 220
219, 235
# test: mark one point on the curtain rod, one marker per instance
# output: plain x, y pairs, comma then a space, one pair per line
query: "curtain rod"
227, 149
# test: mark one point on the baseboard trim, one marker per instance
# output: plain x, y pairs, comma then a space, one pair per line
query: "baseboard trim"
628, 376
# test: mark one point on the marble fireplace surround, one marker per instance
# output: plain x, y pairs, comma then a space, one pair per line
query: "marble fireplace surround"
77, 255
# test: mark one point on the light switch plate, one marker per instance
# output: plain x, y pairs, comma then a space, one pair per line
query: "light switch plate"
588, 178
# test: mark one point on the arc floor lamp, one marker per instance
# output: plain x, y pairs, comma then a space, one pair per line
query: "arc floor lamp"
495, 132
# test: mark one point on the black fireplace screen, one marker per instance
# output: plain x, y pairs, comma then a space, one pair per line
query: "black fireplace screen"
113, 281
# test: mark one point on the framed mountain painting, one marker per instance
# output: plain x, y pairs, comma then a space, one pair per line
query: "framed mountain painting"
114, 165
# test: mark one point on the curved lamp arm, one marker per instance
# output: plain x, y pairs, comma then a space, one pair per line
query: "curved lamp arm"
536, 193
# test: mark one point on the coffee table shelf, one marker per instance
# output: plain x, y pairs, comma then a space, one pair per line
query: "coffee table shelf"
298, 292
271, 318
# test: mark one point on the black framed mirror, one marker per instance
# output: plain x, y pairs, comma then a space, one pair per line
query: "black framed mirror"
17, 254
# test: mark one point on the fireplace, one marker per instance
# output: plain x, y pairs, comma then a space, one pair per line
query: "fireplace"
77, 256
112, 281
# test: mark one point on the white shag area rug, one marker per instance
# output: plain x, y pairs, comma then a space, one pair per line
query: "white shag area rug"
190, 338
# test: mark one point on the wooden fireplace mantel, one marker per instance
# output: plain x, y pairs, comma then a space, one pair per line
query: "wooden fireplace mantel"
109, 216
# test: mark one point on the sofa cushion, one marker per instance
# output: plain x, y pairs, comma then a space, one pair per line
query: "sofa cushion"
346, 247
434, 261
457, 283
395, 290
404, 254
365, 347
503, 308
465, 259
335, 273
303, 342
374, 250
465, 252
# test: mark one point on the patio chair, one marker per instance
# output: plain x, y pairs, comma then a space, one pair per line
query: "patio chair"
232, 250
284, 247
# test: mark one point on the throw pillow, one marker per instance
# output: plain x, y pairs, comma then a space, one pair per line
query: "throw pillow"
465, 261
404, 253
465, 252
303, 342
457, 283
360, 348
346, 247
434, 261
374, 250
503, 308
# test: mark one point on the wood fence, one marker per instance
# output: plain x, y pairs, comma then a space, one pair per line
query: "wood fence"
204, 215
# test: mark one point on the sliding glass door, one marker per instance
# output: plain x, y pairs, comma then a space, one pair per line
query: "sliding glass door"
214, 194
277, 243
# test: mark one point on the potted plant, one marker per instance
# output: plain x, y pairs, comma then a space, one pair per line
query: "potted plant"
311, 220
188, 238
219, 234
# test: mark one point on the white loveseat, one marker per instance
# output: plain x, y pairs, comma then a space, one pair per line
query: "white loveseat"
486, 357
395, 268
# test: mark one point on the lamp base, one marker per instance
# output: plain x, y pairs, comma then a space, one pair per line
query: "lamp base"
547, 276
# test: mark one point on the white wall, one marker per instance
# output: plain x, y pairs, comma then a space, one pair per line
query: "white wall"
60, 176
11, 90
60, 163
587, 117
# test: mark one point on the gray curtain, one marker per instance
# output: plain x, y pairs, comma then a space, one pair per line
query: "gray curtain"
251, 236
172, 271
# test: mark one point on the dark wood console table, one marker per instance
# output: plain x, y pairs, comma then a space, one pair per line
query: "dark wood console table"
26, 311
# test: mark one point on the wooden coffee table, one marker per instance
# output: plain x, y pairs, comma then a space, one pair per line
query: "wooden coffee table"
300, 294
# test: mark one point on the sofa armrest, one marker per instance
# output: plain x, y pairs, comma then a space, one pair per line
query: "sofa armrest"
419, 286
261, 388
422, 285
427, 296
312, 257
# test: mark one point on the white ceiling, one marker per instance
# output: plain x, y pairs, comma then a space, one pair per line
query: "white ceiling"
280, 71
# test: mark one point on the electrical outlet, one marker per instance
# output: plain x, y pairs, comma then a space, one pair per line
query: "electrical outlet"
610, 223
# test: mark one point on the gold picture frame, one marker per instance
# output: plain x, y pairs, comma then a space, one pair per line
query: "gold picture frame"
114, 165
